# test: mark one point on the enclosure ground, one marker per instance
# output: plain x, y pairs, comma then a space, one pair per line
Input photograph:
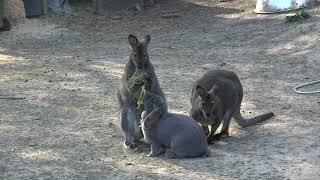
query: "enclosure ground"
64, 69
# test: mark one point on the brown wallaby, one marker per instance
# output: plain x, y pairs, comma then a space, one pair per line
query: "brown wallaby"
216, 97
127, 96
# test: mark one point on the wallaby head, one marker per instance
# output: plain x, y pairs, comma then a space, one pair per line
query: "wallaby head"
148, 84
150, 119
207, 100
139, 51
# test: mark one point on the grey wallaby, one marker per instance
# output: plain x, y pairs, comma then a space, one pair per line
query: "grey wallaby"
179, 135
216, 97
127, 97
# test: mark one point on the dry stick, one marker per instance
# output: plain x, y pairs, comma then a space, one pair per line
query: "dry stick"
13, 98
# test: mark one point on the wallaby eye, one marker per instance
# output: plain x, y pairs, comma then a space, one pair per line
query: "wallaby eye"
134, 54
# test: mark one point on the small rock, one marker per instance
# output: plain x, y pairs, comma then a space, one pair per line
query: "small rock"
116, 17
306, 78
129, 163
222, 64
32, 144
2, 152
26, 80
172, 15
50, 80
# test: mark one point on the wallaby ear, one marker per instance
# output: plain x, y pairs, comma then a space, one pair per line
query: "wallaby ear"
147, 39
213, 91
153, 117
201, 91
133, 41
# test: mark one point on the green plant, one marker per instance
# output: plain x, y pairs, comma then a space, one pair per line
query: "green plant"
137, 79
297, 16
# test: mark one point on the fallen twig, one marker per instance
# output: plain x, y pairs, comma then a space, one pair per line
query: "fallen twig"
13, 98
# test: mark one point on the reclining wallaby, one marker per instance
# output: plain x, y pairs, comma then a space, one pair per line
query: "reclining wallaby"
183, 136
127, 95
217, 97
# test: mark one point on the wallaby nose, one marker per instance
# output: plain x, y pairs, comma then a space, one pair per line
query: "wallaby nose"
139, 66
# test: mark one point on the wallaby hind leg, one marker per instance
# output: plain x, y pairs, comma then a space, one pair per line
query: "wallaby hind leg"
226, 124
156, 150
130, 119
206, 130
170, 154
211, 136
225, 127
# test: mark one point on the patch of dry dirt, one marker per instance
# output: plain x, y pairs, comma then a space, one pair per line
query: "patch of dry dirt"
67, 67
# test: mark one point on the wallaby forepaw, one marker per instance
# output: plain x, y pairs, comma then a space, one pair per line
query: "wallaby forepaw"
128, 145
211, 139
137, 149
152, 154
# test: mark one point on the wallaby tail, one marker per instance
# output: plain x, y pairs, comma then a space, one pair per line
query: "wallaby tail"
244, 122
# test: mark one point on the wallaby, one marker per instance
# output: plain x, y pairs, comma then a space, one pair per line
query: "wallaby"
216, 96
127, 97
183, 136
176, 134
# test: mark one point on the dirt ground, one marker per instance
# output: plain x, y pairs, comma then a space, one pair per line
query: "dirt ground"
63, 71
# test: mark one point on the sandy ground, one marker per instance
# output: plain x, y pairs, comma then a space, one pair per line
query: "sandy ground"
65, 68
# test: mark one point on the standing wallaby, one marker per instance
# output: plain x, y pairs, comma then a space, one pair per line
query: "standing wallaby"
217, 97
127, 96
